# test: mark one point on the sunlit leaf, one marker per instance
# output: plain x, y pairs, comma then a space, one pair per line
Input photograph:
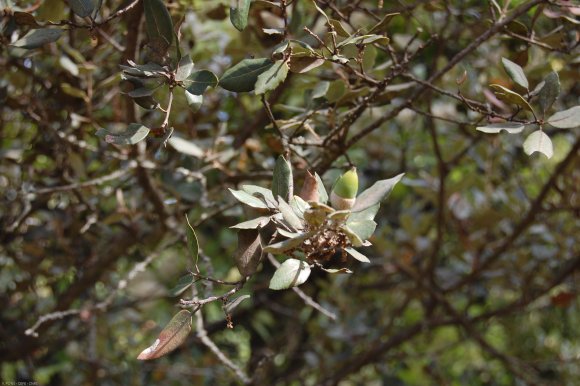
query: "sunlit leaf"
303, 64
510, 96
322, 194
494, 128
515, 72
272, 77
540, 142
184, 68
357, 255
566, 119
172, 336
255, 223
186, 147
290, 274
248, 199
288, 213
376, 193
193, 101
363, 228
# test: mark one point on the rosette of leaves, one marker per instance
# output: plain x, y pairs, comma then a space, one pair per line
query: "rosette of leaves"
542, 97
306, 229
142, 81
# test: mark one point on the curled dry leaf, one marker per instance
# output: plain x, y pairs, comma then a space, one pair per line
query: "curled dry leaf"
309, 190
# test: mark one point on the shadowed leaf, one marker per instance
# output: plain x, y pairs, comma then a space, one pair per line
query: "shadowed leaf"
282, 182
172, 336
243, 76
249, 252
38, 37
239, 14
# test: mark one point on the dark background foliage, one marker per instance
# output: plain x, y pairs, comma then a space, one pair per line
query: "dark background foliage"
473, 277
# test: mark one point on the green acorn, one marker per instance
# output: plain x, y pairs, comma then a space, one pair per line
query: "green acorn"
343, 195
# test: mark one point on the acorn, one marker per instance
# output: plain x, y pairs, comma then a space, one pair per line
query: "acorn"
343, 195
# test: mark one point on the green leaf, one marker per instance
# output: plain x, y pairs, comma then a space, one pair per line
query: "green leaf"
282, 182
566, 119
357, 255
364, 39
272, 78
147, 70
147, 102
322, 194
199, 81
186, 147
230, 306
255, 223
515, 72
249, 251
193, 101
299, 206
183, 283
289, 214
38, 37
336, 90
376, 193
172, 336
364, 229
550, 92
365, 214
135, 133
248, 199
286, 245
494, 128
335, 270
192, 243
239, 14
381, 25
509, 96
339, 28
243, 76
184, 68
141, 92
158, 24
540, 142
82, 8
266, 193
291, 273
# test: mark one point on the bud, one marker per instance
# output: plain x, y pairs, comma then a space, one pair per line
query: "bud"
343, 195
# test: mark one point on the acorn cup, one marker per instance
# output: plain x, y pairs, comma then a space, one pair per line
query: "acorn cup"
343, 195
